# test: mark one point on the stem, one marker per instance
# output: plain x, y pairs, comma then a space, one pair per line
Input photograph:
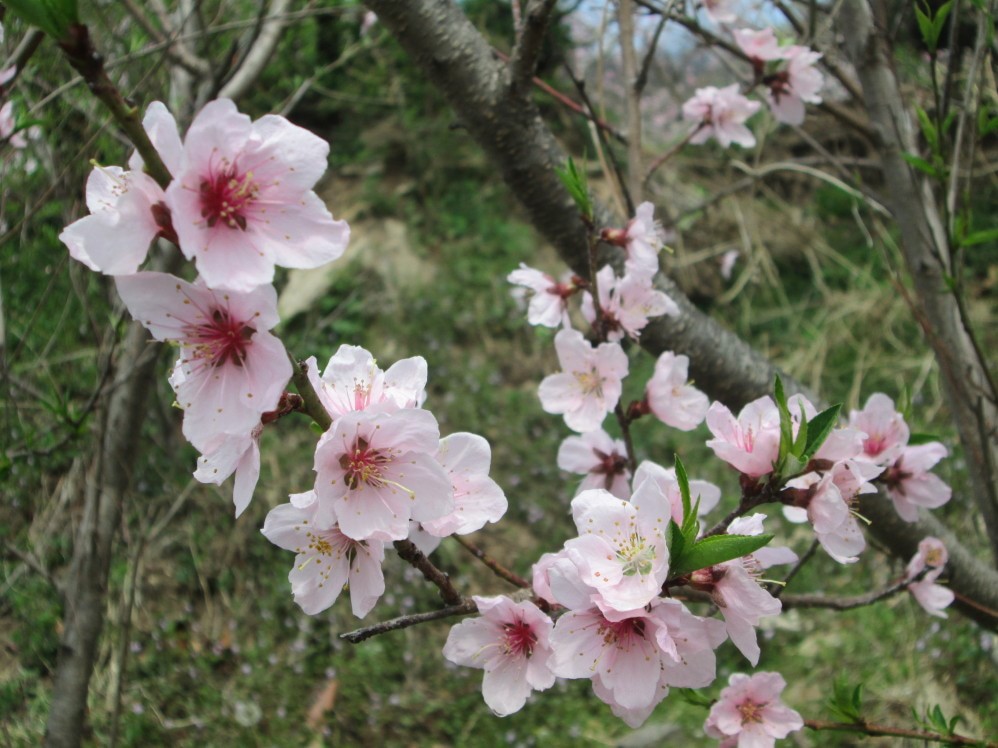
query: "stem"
404, 622
87, 61
495, 566
848, 603
777, 589
625, 431
408, 551
897, 732
310, 399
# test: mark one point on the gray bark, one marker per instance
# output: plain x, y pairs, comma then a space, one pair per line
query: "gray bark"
508, 127
925, 246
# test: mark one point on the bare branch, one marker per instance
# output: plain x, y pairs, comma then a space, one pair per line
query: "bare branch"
404, 622
530, 39
258, 55
175, 49
499, 570
867, 728
408, 551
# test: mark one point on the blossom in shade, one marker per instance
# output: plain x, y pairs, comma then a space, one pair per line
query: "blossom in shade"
327, 561
477, 498
642, 239
510, 641
375, 470
353, 381
910, 484
750, 712
242, 199
626, 303
735, 590
721, 114
759, 45
934, 598
665, 478
794, 86
230, 370
749, 443
589, 385
728, 260
671, 397
621, 552
127, 208
548, 305
886, 431
600, 458
719, 11
226, 454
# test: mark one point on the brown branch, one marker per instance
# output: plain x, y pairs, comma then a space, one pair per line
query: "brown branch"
87, 61
310, 399
404, 622
849, 603
408, 551
495, 566
777, 590
529, 41
875, 730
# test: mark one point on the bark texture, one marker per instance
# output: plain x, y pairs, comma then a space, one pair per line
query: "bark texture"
509, 128
926, 250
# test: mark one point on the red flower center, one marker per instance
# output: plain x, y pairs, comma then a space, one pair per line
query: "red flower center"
364, 465
226, 196
520, 639
222, 340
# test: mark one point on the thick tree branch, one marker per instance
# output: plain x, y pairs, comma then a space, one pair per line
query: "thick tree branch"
451, 52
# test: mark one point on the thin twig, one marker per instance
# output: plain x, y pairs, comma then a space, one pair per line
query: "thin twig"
404, 622
408, 551
849, 603
776, 590
495, 566
897, 732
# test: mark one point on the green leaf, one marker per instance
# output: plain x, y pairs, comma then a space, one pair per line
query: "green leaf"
928, 129
800, 443
846, 701
674, 540
576, 184
691, 524
786, 427
54, 17
921, 438
921, 164
694, 697
716, 550
819, 428
925, 26
684, 488
940, 19
979, 237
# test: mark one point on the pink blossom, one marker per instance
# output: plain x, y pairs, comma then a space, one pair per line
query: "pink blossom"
667, 483
375, 470
910, 484
728, 260
759, 45
720, 113
626, 303
242, 199
642, 240
750, 443
510, 641
750, 710
327, 560
671, 397
589, 385
885, 429
477, 498
733, 587
548, 302
226, 454
127, 208
7, 75
719, 11
600, 458
353, 381
798, 84
8, 124
230, 370
934, 598
828, 511
620, 552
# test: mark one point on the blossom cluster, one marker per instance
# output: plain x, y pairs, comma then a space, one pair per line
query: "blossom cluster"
787, 75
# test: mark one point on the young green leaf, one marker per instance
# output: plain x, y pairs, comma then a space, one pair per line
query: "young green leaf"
846, 702
786, 427
684, 488
800, 443
819, 428
716, 550
576, 184
675, 541
694, 697
980, 237
54, 17
921, 164
921, 438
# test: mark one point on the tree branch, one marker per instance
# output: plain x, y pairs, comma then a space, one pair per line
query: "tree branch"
894, 732
258, 55
529, 41
404, 622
